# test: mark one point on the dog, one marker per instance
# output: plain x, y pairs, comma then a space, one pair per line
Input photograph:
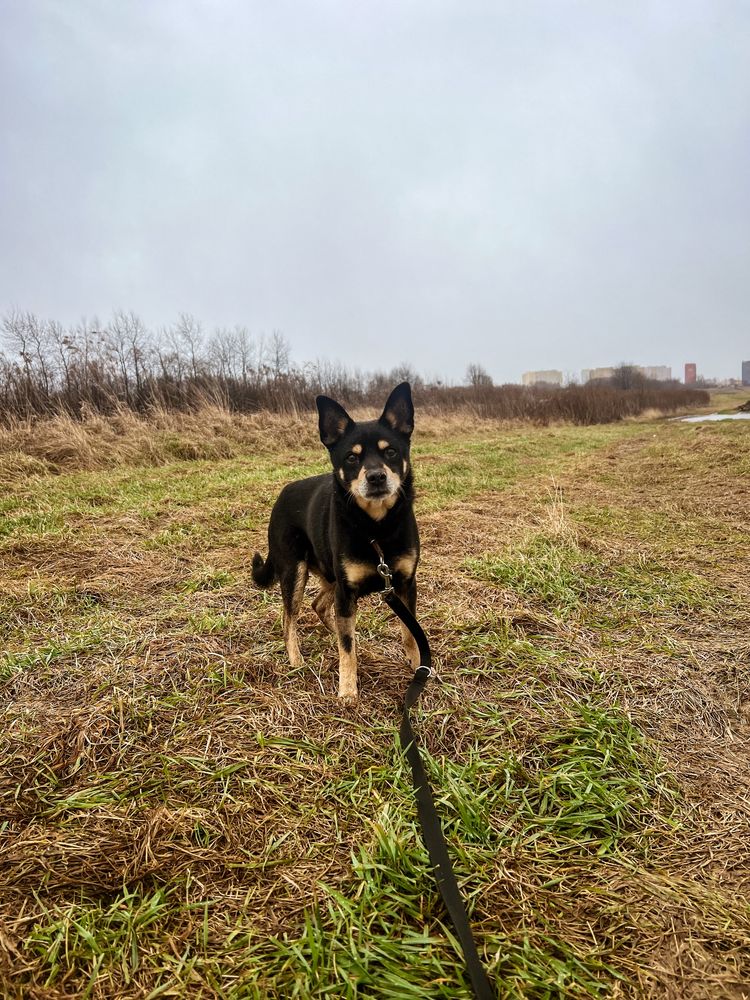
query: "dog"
326, 525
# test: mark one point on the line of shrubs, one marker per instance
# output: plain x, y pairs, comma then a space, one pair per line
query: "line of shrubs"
46, 368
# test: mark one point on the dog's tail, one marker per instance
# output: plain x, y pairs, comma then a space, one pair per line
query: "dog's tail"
264, 573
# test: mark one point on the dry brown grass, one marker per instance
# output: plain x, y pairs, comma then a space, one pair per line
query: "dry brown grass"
211, 431
156, 740
63, 444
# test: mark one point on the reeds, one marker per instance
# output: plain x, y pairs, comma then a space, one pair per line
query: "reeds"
121, 366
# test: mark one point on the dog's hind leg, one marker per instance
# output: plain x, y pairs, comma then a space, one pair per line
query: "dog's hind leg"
323, 606
292, 589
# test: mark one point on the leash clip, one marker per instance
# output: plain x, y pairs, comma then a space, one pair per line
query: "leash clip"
423, 674
385, 571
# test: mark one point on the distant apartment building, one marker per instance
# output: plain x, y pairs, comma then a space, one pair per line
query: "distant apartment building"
551, 377
691, 373
592, 374
656, 373
746, 372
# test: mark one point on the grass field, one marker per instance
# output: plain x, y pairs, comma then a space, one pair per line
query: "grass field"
183, 815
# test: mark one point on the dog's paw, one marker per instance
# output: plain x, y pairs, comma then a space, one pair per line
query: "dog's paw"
347, 698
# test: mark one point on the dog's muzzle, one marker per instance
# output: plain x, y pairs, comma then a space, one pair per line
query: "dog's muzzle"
377, 485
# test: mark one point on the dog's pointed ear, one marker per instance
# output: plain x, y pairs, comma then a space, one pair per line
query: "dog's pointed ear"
399, 410
333, 420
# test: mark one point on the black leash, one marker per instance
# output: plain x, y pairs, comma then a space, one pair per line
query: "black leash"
432, 831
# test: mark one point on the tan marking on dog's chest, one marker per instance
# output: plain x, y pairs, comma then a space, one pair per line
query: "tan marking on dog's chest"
406, 564
356, 572
377, 509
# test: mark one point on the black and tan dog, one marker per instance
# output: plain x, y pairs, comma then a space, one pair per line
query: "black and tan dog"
325, 525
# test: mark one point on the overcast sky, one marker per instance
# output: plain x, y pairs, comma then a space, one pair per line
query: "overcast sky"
527, 185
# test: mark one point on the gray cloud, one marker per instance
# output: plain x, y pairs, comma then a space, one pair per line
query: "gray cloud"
534, 184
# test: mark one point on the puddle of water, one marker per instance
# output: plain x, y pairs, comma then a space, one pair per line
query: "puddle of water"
715, 416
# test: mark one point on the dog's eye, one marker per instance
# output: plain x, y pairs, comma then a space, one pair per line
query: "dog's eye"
352, 459
390, 452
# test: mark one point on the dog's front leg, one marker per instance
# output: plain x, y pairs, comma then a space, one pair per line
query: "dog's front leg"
346, 614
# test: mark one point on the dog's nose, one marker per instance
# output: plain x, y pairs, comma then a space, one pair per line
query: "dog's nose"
376, 477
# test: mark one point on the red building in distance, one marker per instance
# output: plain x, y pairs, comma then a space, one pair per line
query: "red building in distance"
691, 373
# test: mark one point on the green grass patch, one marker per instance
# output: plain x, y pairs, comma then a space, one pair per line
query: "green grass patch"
211, 623
549, 570
461, 467
565, 579
383, 938
83, 638
177, 536
208, 579
92, 938
646, 586
592, 783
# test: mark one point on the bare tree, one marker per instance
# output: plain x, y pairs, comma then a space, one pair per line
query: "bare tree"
279, 353
123, 334
406, 373
627, 376
248, 353
139, 346
478, 377
187, 336
223, 353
